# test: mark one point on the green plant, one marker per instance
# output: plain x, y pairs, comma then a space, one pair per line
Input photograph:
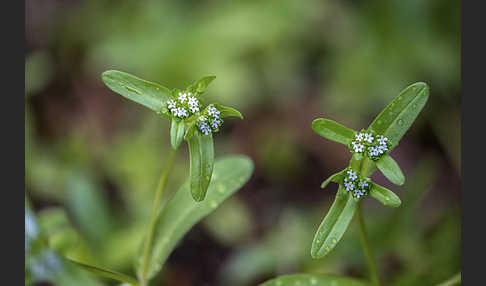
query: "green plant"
370, 150
210, 182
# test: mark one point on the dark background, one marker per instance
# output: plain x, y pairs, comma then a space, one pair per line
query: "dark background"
94, 158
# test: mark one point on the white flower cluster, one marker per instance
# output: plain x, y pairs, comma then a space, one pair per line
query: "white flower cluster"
355, 184
184, 106
210, 120
374, 146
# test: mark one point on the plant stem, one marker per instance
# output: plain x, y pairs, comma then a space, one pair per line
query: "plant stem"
454, 280
367, 249
155, 211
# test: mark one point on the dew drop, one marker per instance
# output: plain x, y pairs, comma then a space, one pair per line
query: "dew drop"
313, 281
414, 106
213, 204
387, 199
334, 240
400, 122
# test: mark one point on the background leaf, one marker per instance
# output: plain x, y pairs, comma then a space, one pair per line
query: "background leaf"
385, 196
105, 272
228, 111
182, 212
201, 152
176, 132
302, 279
146, 93
334, 224
398, 116
391, 170
332, 130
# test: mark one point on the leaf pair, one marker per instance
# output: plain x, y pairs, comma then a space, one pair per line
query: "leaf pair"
392, 122
155, 97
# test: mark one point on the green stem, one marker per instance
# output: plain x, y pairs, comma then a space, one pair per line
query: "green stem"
454, 280
367, 249
155, 211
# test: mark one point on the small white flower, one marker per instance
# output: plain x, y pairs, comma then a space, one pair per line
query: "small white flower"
349, 186
182, 97
382, 140
359, 137
204, 127
215, 123
352, 175
180, 112
194, 109
171, 104
363, 184
368, 137
358, 148
357, 194
192, 101
213, 112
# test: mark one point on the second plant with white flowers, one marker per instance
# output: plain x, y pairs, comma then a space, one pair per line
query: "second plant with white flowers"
371, 151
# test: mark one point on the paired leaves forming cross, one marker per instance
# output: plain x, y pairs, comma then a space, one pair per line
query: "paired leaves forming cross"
391, 123
155, 97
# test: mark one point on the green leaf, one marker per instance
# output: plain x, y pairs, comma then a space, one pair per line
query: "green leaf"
201, 152
176, 133
106, 273
149, 94
181, 212
307, 279
385, 196
333, 131
333, 178
391, 170
399, 115
228, 111
200, 85
334, 224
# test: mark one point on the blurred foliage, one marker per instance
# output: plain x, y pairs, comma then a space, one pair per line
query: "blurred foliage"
93, 159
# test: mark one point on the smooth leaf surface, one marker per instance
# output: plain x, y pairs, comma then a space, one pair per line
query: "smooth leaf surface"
146, 93
332, 130
176, 133
181, 212
106, 273
200, 85
201, 152
333, 178
399, 115
391, 170
228, 111
385, 196
304, 279
334, 224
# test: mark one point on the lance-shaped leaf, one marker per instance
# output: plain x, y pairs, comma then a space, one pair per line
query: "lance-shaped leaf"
399, 115
181, 212
228, 111
201, 153
333, 131
391, 170
106, 273
317, 279
336, 178
200, 85
146, 93
176, 132
334, 224
385, 196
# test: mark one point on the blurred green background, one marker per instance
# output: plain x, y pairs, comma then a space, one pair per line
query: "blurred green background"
93, 158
